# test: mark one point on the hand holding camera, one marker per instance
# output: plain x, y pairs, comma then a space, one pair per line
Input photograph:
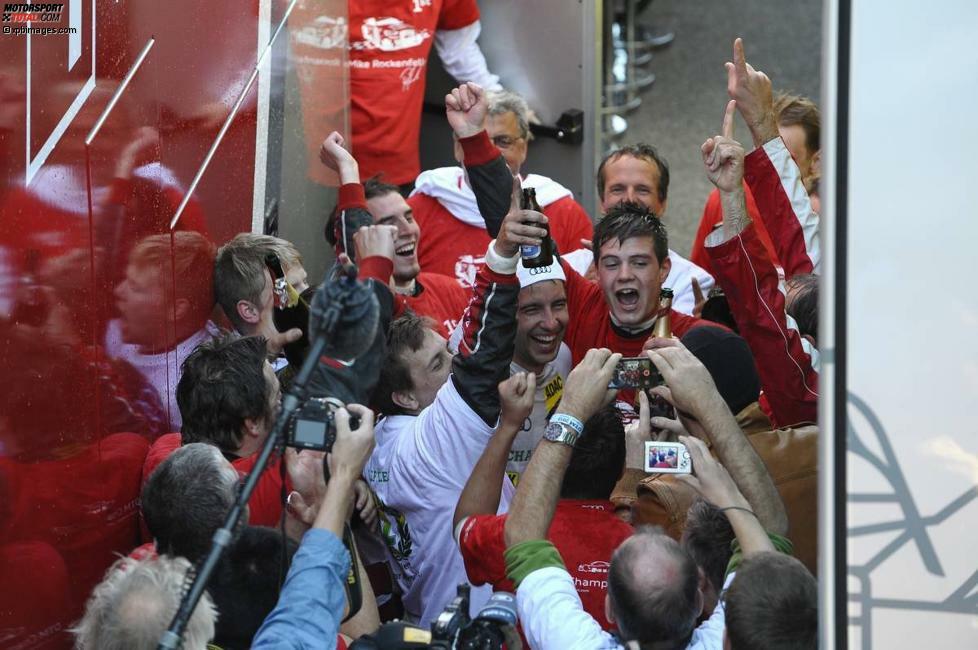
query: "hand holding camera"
709, 478
586, 388
689, 386
354, 442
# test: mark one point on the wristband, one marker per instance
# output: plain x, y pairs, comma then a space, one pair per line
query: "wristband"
569, 420
500, 264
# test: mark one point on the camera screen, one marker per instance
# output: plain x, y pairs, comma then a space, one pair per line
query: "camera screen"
310, 432
663, 457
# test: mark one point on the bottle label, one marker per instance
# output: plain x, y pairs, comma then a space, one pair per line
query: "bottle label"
530, 252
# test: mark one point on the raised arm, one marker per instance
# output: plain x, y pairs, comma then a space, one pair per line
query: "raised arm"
481, 493
310, 605
786, 362
773, 176
491, 180
489, 322
536, 497
692, 391
713, 483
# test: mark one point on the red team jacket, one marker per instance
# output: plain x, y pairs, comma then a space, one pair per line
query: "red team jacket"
787, 363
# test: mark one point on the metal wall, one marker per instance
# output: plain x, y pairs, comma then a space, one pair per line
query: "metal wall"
901, 315
552, 56
165, 95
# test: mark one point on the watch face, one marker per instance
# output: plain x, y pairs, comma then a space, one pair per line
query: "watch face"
556, 432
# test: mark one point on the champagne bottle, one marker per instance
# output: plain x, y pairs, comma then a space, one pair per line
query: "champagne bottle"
542, 255
663, 322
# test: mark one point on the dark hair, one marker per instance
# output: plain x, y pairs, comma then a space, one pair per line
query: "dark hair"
656, 612
804, 306
373, 188
406, 334
795, 110
245, 586
730, 362
222, 384
707, 539
641, 151
629, 219
186, 500
598, 458
772, 604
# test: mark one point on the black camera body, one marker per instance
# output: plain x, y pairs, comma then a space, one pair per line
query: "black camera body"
313, 426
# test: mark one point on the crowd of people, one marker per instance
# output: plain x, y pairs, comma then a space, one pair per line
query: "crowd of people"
477, 439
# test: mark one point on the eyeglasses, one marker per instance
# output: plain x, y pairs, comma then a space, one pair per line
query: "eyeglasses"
505, 141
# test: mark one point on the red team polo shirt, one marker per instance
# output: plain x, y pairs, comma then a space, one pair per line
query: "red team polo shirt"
389, 45
585, 532
441, 299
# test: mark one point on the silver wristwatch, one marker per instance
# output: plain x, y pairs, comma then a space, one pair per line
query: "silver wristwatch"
560, 432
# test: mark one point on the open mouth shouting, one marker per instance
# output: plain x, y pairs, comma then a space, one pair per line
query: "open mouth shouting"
628, 298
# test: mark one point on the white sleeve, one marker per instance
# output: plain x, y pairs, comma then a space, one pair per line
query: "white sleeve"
462, 57
450, 437
552, 615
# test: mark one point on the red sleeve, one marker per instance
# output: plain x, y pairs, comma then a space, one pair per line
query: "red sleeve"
786, 362
570, 224
265, 504
456, 14
478, 149
351, 196
340, 642
482, 545
775, 182
713, 217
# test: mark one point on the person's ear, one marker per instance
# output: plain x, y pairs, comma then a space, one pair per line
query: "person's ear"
663, 208
664, 269
405, 400
254, 427
608, 614
248, 312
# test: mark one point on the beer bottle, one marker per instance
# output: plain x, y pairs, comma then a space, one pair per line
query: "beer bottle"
542, 255
663, 322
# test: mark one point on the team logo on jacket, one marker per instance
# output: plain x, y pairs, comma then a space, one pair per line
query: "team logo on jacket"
390, 35
593, 567
466, 267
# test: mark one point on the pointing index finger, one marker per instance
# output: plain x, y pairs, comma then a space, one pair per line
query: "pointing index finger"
727, 129
739, 60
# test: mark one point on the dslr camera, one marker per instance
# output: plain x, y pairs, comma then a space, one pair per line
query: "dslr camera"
313, 426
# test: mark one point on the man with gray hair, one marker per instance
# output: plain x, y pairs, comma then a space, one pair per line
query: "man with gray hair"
133, 606
187, 498
445, 207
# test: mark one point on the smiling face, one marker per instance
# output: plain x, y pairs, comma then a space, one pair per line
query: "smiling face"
632, 179
631, 276
541, 319
392, 210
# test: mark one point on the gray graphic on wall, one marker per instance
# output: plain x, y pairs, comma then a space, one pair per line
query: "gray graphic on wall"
910, 528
